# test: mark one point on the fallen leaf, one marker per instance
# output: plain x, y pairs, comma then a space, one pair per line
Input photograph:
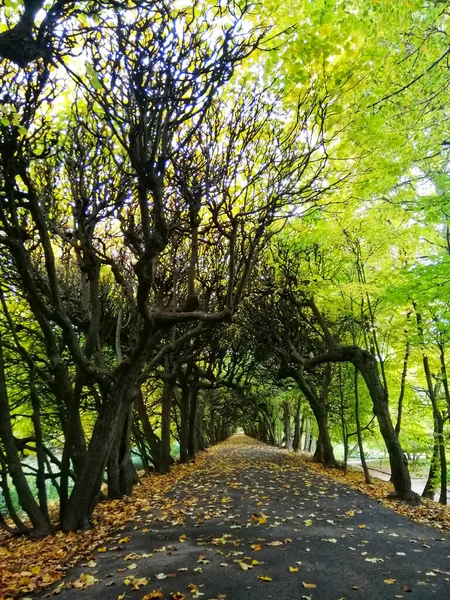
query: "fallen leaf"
309, 585
293, 569
264, 578
154, 595
389, 581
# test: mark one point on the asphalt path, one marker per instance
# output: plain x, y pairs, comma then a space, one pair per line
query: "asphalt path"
251, 523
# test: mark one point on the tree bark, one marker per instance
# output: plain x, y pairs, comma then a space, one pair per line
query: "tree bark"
184, 421
297, 435
27, 502
358, 430
166, 410
433, 473
151, 438
318, 407
287, 424
367, 366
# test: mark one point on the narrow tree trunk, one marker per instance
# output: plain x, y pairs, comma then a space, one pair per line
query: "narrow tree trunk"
26, 499
343, 422
358, 430
184, 422
297, 435
287, 424
307, 435
318, 406
40, 454
121, 472
433, 473
169, 384
402, 391
21, 527
151, 438
193, 405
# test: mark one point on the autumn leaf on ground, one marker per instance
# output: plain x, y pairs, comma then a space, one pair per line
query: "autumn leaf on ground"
264, 578
182, 538
244, 567
177, 596
374, 560
137, 583
255, 547
84, 581
389, 581
154, 595
293, 569
309, 585
275, 543
308, 522
91, 564
125, 540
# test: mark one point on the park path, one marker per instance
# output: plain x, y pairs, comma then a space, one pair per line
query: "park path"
251, 523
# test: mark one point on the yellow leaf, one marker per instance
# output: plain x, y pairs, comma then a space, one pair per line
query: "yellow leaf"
293, 569
389, 581
264, 578
363, 526
244, 566
36, 570
154, 595
309, 585
182, 538
255, 547
262, 520
101, 549
124, 540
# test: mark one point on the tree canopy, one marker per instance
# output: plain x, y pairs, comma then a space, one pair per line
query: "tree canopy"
218, 214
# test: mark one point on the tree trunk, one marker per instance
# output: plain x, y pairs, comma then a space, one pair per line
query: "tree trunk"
151, 438
297, 435
193, 405
319, 409
402, 390
287, 424
184, 422
122, 474
26, 499
358, 430
343, 422
401, 480
307, 436
107, 431
169, 384
433, 473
